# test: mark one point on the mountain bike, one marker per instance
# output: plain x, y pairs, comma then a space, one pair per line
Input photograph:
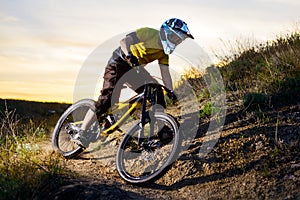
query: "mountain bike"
147, 149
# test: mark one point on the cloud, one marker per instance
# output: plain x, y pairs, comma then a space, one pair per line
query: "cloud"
285, 2
9, 19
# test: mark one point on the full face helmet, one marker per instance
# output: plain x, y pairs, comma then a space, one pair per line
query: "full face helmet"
173, 32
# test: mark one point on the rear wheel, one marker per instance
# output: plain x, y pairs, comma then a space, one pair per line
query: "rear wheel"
68, 125
140, 164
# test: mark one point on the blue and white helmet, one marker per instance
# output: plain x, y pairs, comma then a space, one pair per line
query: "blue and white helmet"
173, 32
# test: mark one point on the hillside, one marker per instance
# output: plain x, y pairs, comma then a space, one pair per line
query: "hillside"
32, 109
256, 157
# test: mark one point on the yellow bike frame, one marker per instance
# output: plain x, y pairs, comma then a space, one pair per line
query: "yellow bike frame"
133, 104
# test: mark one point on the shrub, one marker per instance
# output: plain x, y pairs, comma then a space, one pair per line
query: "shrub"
254, 101
23, 164
270, 69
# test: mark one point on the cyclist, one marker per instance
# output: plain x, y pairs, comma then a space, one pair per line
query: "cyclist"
138, 48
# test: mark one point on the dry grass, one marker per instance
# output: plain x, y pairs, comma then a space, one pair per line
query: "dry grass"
23, 164
259, 75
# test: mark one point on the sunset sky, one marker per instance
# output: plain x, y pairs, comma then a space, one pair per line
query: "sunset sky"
44, 44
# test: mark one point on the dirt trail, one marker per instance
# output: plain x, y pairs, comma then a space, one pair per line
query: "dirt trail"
246, 163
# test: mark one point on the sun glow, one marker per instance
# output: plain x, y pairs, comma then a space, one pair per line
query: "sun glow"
44, 44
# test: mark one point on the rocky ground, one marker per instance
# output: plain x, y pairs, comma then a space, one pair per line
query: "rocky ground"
256, 157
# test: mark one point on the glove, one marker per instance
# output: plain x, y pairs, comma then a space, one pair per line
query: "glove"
172, 96
138, 50
132, 60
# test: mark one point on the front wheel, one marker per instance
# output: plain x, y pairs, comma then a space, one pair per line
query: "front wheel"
68, 125
143, 163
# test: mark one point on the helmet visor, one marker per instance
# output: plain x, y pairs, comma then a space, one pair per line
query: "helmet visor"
174, 38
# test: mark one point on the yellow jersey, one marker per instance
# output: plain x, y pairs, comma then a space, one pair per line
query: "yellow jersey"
149, 47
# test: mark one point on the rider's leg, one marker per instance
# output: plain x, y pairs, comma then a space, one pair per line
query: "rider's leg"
101, 106
103, 103
88, 119
113, 73
109, 81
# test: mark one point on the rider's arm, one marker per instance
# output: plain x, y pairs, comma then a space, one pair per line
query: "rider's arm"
125, 44
165, 73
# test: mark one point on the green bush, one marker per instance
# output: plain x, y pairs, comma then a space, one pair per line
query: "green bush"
208, 110
254, 101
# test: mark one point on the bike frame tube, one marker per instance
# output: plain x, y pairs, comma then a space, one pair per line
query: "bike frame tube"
124, 117
143, 97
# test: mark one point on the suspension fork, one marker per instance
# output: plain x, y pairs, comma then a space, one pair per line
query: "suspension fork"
146, 115
151, 114
143, 117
